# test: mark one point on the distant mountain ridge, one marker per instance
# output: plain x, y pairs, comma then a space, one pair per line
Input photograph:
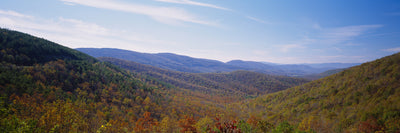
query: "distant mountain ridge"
163, 60
240, 84
46, 87
182, 63
323, 74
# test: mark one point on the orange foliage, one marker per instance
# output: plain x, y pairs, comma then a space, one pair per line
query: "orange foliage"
187, 125
145, 123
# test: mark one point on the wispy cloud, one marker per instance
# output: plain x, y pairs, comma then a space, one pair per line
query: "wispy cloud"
189, 2
342, 34
15, 14
257, 20
76, 33
194, 3
329, 36
397, 49
288, 47
338, 49
162, 14
301, 44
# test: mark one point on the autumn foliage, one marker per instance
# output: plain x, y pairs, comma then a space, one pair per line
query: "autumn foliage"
45, 87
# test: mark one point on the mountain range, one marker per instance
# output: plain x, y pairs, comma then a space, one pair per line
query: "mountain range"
195, 65
46, 87
238, 84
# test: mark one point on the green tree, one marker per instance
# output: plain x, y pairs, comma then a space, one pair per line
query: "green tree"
284, 127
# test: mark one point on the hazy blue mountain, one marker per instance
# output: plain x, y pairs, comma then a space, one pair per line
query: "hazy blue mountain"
323, 74
251, 64
240, 84
259, 67
280, 69
332, 65
163, 60
195, 65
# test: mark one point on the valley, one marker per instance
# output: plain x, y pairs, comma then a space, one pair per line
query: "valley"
183, 63
47, 87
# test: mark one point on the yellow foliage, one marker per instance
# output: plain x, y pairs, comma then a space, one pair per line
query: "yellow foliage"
203, 123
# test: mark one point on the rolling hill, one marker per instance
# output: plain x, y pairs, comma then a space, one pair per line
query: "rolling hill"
195, 65
232, 86
46, 87
364, 98
163, 60
323, 74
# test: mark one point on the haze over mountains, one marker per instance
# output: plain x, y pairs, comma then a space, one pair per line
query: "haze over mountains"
238, 84
195, 65
46, 87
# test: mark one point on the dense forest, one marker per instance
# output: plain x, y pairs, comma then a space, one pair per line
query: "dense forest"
216, 87
364, 98
46, 87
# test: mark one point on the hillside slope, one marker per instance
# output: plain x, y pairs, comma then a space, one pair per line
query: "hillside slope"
63, 90
364, 98
45, 87
163, 60
232, 86
323, 74
195, 65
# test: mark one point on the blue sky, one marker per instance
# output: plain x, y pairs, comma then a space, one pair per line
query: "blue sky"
278, 31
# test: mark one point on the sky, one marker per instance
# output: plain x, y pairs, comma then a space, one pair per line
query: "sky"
277, 31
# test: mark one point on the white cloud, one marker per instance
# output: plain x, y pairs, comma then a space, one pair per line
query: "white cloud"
288, 47
342, 34
301, 44
330, 36
15, 14
166, 14
76, 33
84, 27
338, 49
257, 20
189, 2
397, 49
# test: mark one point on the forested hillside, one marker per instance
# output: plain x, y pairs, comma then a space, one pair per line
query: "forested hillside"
46, 87
218, 87
181, 63
323, 74
364, 98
